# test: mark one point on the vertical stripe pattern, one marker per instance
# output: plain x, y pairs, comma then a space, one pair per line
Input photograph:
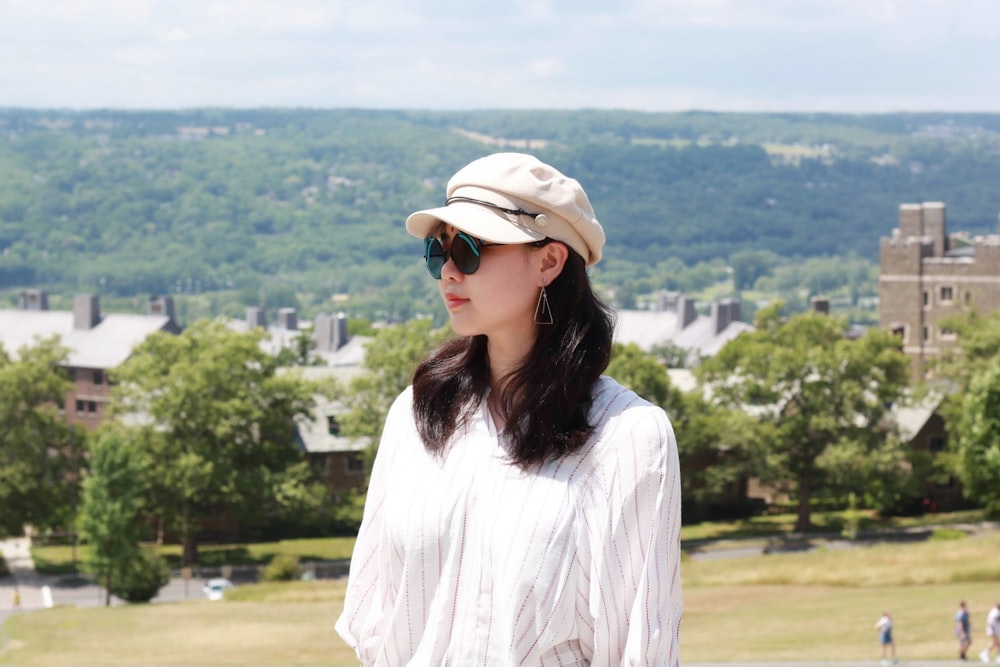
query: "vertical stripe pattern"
467, 560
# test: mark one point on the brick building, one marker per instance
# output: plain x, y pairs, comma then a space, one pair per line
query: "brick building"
96, 342
928, 274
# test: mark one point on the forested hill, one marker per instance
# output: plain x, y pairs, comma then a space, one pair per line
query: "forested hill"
127, 203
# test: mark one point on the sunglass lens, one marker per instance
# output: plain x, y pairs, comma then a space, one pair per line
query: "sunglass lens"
434, 256
465, 253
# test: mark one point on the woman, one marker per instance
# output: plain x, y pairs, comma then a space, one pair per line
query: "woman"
523, 509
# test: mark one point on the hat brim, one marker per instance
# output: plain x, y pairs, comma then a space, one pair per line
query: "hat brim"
478, 221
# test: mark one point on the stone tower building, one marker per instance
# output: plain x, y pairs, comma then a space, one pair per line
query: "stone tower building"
927, 275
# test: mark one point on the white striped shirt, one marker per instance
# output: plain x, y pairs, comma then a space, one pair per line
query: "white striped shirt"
468, 560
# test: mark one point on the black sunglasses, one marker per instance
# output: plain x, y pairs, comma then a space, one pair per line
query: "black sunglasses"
464, 252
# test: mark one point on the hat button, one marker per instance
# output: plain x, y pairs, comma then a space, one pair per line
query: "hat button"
541, 219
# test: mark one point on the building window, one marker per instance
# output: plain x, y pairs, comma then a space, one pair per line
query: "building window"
968, 297
332, 425
927, 298
938, 443
927, 334
947, 294
355, 464
91, 408
98, 377
899, 331
948, 334
81, 406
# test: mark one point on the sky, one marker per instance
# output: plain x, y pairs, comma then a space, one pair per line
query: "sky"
854, 56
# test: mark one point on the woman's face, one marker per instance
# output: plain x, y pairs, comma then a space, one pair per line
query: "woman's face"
499, 299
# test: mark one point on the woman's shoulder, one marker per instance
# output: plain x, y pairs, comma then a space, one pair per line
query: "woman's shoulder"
618, 413
400, 412
611, 398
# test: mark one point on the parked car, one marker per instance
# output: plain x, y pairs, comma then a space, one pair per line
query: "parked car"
215, 588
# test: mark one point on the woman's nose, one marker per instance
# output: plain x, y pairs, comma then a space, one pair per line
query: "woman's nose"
448, 270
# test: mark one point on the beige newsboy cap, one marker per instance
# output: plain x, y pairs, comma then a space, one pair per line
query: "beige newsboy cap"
515, 198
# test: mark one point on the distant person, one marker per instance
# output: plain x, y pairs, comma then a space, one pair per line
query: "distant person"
992, 634
884, 628
16, 599
962, 630
524, 508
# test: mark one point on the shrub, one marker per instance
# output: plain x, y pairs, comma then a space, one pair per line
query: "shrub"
942, 534
283, 567
3, 567
141, 579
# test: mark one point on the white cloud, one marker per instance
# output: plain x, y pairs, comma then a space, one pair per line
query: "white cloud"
853, 55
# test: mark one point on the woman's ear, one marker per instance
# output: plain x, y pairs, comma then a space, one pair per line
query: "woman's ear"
553, 259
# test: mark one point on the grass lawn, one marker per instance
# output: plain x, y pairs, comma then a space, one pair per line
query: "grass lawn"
815, 606
287, 624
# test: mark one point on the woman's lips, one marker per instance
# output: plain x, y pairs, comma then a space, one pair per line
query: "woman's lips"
453, 301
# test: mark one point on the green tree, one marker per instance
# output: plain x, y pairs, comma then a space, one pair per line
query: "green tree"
750, 265
112, 503
979, 443
37, 447
219, 425
815, 393
978, 345
675, 356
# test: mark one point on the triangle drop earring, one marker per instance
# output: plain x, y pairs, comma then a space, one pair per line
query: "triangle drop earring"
543, 313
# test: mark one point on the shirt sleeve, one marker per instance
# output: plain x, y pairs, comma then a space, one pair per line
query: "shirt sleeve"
367, 597
633, 521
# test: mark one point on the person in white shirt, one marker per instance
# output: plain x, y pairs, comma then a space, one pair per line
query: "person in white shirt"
992, 634
523, 508
884, 628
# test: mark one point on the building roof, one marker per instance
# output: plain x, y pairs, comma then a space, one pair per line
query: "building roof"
702, 336
351, 354
104, 346
313, 433
278, 337
910, 418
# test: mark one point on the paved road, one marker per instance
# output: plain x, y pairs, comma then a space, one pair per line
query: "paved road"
62, 590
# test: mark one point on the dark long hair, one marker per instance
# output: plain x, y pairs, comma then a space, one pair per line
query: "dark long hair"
545, 401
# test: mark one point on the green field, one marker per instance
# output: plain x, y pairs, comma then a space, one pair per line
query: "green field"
817, 605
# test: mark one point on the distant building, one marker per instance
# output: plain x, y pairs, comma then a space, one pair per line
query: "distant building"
338, 356
333, 345
337, 459
676, 322
927, 274
96, 342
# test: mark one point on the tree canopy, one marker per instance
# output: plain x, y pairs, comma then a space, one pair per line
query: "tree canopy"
112, 504
250, 205
979, 445
820, 399
37, 446
218, 425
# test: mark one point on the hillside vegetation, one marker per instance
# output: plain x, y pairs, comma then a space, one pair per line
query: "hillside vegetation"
291, 207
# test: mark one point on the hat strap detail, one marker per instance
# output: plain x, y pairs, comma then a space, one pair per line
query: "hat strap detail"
497, 207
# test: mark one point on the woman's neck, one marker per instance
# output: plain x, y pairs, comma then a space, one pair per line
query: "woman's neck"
503, 360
